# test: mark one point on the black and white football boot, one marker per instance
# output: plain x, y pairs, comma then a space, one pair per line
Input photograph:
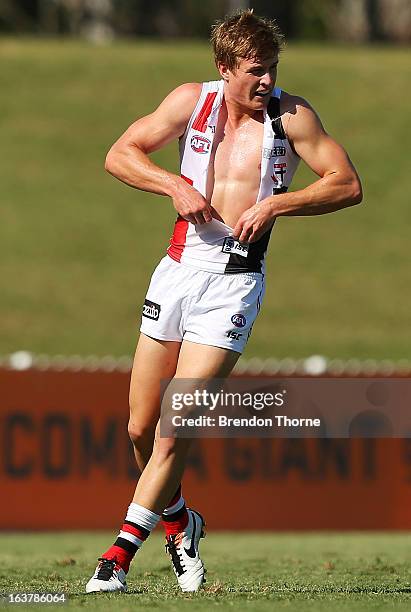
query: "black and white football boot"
108, 577
183, 549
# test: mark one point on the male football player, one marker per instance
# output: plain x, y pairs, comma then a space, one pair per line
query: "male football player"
241, 138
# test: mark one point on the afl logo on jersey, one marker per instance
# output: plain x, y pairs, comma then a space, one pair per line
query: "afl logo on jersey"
200, 144
238, 320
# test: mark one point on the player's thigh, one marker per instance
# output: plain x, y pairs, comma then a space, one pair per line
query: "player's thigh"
154, 360
196, 361
204, 361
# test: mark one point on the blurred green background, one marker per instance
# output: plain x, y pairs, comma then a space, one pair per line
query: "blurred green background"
78, 247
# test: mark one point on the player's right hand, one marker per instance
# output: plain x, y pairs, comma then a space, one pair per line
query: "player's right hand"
191, 205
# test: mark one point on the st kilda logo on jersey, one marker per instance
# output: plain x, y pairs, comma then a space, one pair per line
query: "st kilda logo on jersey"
200, 144
279, 171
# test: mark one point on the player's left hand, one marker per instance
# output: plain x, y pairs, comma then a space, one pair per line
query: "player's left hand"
254, 222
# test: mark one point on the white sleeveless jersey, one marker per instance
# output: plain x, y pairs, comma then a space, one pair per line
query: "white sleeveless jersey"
210, 246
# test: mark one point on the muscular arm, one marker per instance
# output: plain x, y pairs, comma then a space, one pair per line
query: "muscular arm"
338, 186
128, 159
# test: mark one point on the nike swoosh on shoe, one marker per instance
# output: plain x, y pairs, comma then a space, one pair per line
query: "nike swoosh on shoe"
191, 552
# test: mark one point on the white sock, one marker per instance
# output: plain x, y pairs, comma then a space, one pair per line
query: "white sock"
142, 517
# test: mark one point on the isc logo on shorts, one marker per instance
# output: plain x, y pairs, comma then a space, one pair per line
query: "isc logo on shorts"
230, 245
234, 335
200, 144
151, 310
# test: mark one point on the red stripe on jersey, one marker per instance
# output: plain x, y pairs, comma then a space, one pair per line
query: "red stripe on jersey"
178, 239
200, 122
187, 180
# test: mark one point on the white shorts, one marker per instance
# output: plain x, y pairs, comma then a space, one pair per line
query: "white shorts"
203, 307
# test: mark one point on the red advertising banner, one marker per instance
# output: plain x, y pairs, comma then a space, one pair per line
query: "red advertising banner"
66, 463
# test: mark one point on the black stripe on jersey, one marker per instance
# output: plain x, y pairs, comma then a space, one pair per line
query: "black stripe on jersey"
278, 190
253, 262
256, 251
273, 111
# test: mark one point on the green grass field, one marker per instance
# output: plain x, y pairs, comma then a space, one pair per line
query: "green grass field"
77, 247
245, 571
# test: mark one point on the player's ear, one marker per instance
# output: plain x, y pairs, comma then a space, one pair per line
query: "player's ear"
223, 70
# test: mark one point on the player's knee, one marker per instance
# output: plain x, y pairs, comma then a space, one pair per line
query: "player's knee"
140, 435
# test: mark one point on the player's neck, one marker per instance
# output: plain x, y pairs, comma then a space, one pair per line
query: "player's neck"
238, 115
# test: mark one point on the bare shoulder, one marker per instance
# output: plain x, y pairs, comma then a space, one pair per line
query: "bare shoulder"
183, 97
170, 118
309, 139
298, 116
291, 103
166, 123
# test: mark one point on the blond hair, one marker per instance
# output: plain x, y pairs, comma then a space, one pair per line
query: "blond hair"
245, 36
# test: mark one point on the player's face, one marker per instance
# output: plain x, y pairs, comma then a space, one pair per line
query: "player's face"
251, 83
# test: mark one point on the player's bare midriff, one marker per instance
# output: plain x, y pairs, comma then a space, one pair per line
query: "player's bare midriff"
234, 173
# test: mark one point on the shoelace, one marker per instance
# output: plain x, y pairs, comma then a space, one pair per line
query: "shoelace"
106, 568
172, 549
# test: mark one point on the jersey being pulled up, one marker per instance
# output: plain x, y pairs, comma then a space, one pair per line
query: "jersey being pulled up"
210, 246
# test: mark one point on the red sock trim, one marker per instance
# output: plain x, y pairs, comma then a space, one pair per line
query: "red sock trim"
135, 531
123, 558
177, 526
